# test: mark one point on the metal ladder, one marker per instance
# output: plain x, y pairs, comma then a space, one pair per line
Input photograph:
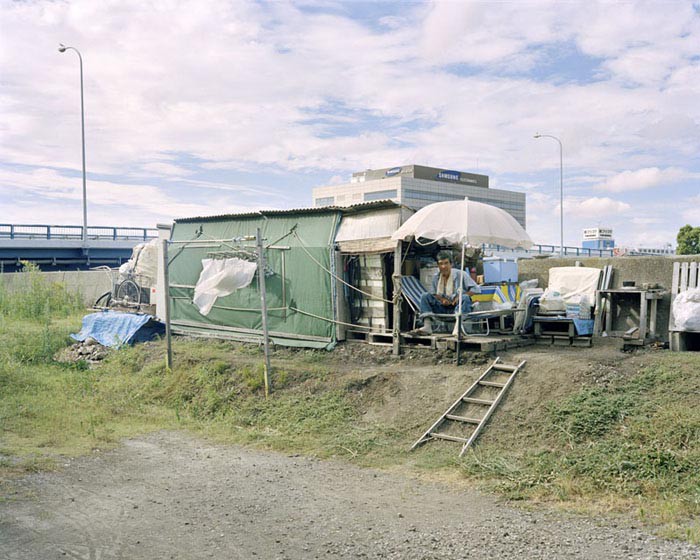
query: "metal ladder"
479, 423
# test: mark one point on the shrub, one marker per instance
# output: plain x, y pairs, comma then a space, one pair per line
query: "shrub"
40, 299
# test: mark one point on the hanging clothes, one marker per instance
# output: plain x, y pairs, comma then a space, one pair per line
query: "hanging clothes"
219, 278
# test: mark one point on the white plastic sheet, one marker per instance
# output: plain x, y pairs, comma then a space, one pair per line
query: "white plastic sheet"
221, 277
686, 310
569, 284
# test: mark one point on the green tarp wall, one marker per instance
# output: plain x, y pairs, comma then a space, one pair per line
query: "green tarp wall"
307, 287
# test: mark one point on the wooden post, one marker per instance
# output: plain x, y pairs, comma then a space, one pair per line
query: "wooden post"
166, 312
396, 331
263, 302
459, 307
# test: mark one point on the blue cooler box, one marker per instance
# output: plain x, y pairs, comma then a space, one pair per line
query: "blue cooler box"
500, 270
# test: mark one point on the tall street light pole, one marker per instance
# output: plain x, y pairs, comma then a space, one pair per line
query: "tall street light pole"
561, 191
62, 48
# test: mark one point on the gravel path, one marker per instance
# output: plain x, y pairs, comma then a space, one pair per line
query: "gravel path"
169, 495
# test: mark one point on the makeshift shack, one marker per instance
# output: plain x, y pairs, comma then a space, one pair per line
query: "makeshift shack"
327, 270
301, 303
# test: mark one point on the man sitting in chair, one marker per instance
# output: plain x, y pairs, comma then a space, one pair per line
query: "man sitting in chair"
444, 296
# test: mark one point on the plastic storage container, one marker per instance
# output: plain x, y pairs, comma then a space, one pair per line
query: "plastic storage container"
497, 270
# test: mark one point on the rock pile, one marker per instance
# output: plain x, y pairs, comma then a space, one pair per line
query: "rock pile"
89, 351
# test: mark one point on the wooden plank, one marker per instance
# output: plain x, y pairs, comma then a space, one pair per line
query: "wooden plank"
684, 277
492, 384
504, 367
462, 419
477, 401
676, 277
396, 278
448, 437
693, 276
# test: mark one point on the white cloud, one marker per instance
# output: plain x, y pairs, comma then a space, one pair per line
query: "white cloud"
108, 202
595, 207
181, 91
642, 179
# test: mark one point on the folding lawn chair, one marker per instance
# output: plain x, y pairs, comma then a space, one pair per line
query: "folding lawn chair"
413, 290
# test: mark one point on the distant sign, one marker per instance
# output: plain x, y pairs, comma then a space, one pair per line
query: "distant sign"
393, 171
449, 175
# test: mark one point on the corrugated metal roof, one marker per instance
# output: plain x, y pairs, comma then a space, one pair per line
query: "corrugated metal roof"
355, 208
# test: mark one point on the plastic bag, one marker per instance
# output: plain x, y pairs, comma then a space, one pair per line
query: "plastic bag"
551, 301
529, 284
685, 310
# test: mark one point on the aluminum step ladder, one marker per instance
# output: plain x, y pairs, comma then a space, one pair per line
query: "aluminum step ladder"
495, 369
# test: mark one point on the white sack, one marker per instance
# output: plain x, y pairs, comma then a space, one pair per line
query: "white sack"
686, 310
221, 277
143, 263
146, 265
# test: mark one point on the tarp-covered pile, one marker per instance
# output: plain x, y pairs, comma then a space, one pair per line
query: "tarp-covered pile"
115, 328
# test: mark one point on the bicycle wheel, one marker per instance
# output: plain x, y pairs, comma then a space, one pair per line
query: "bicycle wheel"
103, 300
129, 292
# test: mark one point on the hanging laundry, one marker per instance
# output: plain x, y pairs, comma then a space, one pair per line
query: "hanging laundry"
221, 277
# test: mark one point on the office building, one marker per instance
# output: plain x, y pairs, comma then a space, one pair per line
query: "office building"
417, 186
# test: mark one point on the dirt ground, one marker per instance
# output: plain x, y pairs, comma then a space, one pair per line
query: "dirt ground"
169, 495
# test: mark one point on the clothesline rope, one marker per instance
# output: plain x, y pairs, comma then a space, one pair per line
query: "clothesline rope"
371, 296
330, 320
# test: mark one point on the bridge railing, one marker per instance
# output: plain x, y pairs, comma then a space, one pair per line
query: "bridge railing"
554, 251
42, 231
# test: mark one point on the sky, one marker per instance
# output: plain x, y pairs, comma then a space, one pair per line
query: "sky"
220, 106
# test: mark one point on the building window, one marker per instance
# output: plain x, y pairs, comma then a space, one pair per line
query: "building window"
325, 201
380, 195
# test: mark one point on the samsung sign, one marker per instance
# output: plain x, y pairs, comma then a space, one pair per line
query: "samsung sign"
393, 171
449, 175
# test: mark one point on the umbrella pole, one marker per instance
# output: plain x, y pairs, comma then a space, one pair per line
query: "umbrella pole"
459, 307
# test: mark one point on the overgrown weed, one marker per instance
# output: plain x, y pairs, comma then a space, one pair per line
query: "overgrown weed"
638, 438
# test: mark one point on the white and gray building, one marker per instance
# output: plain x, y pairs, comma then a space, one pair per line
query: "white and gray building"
416, 186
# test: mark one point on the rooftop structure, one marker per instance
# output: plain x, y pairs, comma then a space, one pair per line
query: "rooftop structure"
416, 186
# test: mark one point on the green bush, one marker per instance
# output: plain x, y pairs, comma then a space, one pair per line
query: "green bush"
40, 300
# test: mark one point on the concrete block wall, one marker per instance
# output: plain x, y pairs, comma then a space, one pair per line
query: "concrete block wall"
639, 269
91, 284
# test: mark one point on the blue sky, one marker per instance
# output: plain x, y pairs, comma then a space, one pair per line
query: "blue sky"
209, 107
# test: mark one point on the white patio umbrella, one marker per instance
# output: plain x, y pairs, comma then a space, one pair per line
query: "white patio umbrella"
465, 222
468, 223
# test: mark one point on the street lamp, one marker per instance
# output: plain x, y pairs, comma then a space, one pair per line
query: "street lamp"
561, 190
62, 48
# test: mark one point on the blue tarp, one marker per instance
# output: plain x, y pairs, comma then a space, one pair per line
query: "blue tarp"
583, 326
115, 328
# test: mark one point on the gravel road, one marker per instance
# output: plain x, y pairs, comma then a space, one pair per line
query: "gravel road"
169, 495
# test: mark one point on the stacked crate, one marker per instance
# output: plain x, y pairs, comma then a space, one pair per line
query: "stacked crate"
374, 311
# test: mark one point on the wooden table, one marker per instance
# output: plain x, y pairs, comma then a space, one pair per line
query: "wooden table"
609, 301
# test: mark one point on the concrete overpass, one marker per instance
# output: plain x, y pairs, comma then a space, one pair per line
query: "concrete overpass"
56, 247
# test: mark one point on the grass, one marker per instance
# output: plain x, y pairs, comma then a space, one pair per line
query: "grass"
632, 445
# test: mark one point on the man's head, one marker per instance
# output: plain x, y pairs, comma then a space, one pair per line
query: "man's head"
444, 261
